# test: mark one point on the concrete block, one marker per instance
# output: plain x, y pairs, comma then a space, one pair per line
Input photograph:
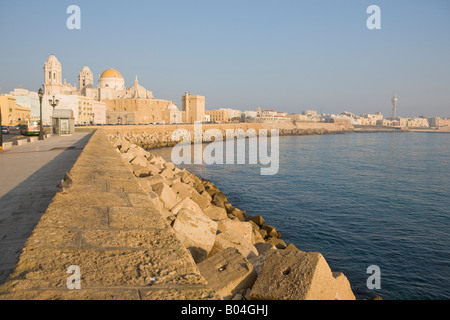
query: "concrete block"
343, 289
186, 203
243, 230
32, 139
196, 231
258, 261
182, 190
228, 273
295, 275
165, 194
7, 145
216, 213
226, 240
280, 244
200, 200
140, 160
20, 142
259, 220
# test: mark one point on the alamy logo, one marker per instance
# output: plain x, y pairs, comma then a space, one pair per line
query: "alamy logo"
213, 153
374, 21
374, 281
74, 281
74, 21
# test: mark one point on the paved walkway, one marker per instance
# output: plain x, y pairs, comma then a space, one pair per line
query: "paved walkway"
29, 175
109, 229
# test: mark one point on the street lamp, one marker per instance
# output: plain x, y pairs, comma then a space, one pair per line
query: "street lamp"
41, 127
53, 103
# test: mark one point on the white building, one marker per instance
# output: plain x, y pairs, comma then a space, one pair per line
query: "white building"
27, 99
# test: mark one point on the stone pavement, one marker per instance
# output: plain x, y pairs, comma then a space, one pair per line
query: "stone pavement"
29, 175
107, 227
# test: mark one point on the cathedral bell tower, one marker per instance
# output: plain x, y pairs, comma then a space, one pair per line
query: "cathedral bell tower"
52, 76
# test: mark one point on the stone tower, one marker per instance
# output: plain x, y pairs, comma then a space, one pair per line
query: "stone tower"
52, 76
85, 78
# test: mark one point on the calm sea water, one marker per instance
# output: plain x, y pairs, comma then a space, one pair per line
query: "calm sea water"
360, 199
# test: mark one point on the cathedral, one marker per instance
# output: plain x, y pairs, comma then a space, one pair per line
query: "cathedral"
135, 105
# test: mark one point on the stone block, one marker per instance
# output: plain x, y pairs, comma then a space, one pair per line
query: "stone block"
259, 220
125, 146
140, 160
280, 244
167, 173
290, 246
127, 156
196, 231
201, 201
7, 145
271, 231
243, 230
263, 233
295, 275
257, 237
226, 240
152, 169
165, 194
263, 248
216, 213
206, 195
182, 190
228, 273
157, 161
343, 289
155, 179
20, 142
186, 203
240, 214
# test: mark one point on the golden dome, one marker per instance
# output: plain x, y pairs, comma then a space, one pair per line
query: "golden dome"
111, 73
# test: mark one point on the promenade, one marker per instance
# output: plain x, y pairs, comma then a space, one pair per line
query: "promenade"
29, 176
107, 226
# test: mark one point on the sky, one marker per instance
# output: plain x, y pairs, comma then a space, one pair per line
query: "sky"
288, 55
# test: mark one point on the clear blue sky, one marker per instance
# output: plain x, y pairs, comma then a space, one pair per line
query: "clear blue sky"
289, 55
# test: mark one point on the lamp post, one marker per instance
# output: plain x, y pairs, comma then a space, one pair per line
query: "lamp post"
53, 102
41, 127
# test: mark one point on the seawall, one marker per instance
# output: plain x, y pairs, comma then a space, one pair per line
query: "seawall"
158, 136
110, 229
137, 227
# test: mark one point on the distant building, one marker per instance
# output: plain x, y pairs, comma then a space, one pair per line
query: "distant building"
99, 112
119, 104
193, 107
250, 114
27, 99
218, 115
12, 114
300, 117
272, 116
439, 122
309, 113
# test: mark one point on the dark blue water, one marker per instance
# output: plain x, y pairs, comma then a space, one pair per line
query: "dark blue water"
360, 199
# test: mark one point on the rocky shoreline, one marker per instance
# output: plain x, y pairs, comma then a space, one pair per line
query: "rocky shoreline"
241, 258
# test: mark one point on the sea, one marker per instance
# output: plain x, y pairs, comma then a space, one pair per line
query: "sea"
375, 205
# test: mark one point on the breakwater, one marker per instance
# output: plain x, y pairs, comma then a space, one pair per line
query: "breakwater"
137, 227
150, 137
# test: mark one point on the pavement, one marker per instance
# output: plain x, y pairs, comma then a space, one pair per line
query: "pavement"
29, 176
104, 238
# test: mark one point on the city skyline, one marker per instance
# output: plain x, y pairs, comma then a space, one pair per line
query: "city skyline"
292, 56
